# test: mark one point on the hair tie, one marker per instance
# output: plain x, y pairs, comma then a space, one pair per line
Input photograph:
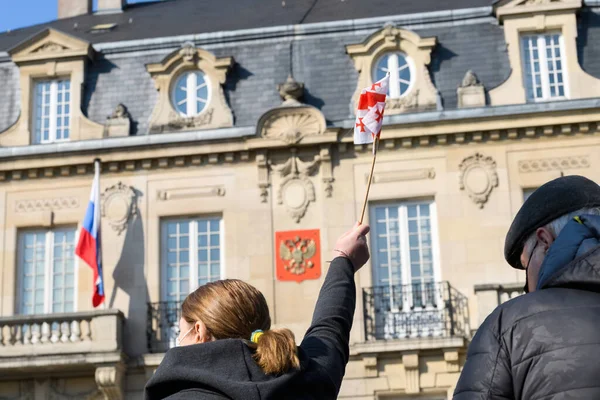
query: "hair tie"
256, 335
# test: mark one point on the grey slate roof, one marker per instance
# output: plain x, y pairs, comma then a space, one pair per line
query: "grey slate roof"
319, 61
181, 17
124, 80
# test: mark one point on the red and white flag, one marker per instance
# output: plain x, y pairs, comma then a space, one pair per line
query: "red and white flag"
369, 114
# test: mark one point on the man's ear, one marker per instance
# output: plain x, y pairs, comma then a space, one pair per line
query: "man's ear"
545, 237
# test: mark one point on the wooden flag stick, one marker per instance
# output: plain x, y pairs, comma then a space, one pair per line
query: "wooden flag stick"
364, 208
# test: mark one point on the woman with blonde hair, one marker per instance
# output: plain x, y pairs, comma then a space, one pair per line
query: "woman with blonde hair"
227, 349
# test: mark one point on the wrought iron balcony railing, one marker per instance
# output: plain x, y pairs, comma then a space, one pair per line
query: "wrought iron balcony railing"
163, 325
417, 310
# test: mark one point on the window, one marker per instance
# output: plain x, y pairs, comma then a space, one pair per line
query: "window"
46, 265
401, 72
403, 244
190, 93
191, 255
52, 111
544, 66
407, 293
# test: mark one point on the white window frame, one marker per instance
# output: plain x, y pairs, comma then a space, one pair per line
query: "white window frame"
191, 89
193, 258
53, 129
406, 278
48, 261
394, 88
543, 60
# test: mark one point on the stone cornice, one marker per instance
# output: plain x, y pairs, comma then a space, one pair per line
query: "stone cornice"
239, 145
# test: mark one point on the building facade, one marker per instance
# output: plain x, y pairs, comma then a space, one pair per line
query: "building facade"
227, 151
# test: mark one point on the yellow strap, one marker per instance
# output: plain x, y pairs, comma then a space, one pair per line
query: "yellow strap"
578, 219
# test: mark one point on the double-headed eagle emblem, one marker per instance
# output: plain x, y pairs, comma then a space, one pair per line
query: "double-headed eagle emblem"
296, 254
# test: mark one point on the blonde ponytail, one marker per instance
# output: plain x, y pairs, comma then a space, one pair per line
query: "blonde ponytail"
232, 309
276, 352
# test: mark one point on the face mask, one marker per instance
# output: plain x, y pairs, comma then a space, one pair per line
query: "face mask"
178, 340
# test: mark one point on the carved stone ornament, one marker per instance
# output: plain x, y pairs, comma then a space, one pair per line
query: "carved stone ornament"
530, 2
291, 91
109, 380
188, 52
165, 117
471, 92
118, 124
554, 164
423, 94
119, 206
296, 190
179, 123
50, 47
292, 121
59, 203
408, 102
478, 177
291, 127
470, 79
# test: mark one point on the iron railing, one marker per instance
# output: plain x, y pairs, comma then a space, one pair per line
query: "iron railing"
163, 325
417, 310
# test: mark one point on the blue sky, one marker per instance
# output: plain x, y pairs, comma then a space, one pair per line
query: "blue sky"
20, 13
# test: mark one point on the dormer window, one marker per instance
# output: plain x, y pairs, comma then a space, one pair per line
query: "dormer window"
405, 55
52, 111
191, 93
543, 66
400, 68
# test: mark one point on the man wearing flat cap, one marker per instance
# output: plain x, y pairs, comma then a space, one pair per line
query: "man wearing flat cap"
546, 344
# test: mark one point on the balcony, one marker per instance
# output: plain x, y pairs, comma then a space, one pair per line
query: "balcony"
40, 342
415, 311
163, 325
491, 296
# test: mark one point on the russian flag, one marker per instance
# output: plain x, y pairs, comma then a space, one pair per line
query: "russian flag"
88, 246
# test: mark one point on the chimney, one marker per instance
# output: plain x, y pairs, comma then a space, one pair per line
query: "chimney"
111, 6
73, 8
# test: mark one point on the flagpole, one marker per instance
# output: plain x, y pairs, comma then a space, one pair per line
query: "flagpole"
97, 170
375, 146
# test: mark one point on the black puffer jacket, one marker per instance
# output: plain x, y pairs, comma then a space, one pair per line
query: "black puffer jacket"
546, 344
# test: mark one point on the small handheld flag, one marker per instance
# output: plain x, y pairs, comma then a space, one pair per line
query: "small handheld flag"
89, 247
369, 120
369, 113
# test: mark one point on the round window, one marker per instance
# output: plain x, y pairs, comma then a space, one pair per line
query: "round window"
190, 93
400, 68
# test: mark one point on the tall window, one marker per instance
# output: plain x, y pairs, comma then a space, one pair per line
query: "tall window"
401, 73
46, 265
191, 255
544, 66
404, 249
190, 93
52, 111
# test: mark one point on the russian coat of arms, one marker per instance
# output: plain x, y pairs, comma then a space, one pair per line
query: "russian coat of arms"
298, 255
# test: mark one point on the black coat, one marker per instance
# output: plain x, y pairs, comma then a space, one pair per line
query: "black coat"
544, 345
225, 369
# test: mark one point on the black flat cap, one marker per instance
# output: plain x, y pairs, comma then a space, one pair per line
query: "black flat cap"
552, 200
